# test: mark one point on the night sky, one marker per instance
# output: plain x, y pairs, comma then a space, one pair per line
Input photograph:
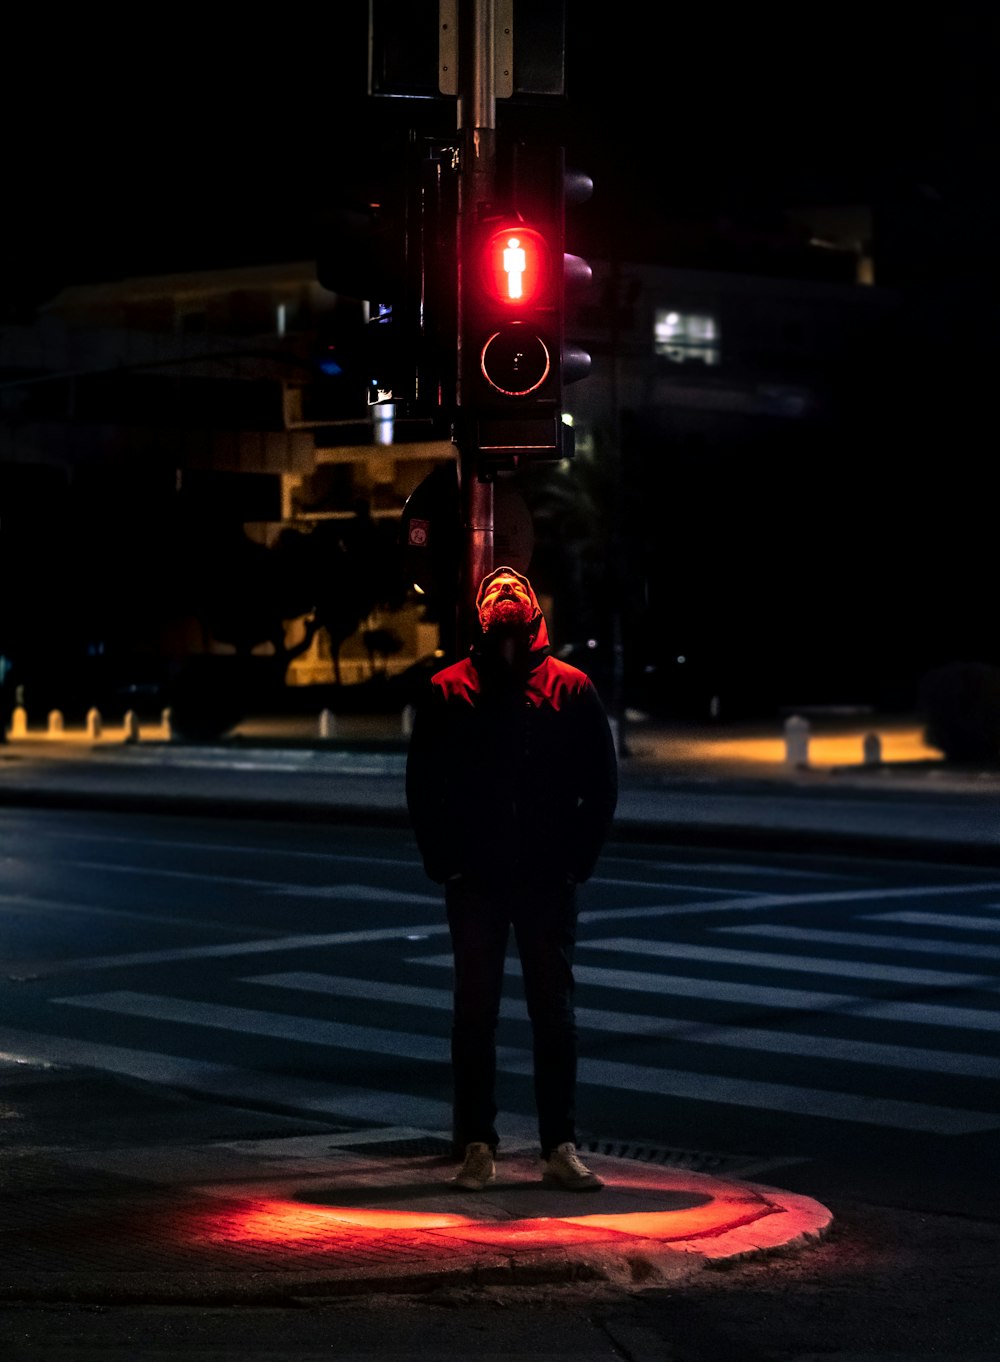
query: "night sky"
185, 142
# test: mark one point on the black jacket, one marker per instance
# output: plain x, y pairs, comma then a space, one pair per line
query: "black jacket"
511, 772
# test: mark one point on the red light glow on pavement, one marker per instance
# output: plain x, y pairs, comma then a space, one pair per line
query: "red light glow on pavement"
674, 1208
291, 1222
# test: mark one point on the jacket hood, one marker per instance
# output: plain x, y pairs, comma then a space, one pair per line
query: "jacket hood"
537, 632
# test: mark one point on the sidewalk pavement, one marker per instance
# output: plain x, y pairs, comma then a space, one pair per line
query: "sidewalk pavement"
306, 1209
272, 1220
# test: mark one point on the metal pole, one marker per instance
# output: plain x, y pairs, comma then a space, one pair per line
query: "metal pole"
477, 181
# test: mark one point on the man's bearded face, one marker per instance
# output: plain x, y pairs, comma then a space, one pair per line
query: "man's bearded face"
506, 604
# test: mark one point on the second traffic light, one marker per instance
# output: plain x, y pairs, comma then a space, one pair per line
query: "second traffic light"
397, 255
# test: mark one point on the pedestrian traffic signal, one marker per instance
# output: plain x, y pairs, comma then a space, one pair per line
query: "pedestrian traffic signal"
513, 358
516, 358
509, 340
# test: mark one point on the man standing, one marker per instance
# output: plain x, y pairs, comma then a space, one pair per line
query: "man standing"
511, 785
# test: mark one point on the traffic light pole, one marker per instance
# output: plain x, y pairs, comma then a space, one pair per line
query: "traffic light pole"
477, 185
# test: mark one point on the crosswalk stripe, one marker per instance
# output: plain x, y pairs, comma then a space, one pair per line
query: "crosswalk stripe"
951, 920
250, 1021
359, 893
755, 902
222, 950
921, 945
680, 986
768, 872
17, 903
918, 1059
685, 885
229, 1083
163, 872
929, 1014
805, 964
675, 985
784, 1097
630, 1077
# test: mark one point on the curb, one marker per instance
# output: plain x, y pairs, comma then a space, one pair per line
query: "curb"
294, 1240
737, 836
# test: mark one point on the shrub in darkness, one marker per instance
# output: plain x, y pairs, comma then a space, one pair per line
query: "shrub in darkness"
960, 706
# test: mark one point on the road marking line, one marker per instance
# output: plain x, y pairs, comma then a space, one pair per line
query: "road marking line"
875, 940
222, 950
748, 905
727, 868
227, 848
847, 1004
345, 891
804, 964
803, 1101
929, 1014
956, 921
919, 1059
37, 905
161, 872
251, 1021
681, 986
227, 1083
686, 886
359, 893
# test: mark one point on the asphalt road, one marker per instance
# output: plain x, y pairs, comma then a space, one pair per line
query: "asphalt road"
829, 1022
835, 1019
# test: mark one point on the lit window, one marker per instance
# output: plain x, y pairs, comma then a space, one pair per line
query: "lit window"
682, 337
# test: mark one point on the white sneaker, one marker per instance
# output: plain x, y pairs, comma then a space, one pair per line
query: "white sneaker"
478, 1170
565, 1168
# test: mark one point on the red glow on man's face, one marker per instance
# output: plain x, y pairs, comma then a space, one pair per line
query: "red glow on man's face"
506, 601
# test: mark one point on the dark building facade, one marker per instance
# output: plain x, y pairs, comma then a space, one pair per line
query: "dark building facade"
748, 439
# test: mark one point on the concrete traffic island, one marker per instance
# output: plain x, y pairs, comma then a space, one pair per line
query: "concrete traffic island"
273, 1221
646, 1223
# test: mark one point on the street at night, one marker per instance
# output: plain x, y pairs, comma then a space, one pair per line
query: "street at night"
499, 686
840, 1013
821, 1023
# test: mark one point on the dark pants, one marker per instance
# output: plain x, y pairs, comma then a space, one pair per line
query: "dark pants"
544, 922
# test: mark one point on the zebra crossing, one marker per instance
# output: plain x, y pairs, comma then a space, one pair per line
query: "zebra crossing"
833, 997
826, 1099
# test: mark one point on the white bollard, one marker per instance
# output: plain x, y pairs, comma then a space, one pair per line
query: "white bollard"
797, 741
19, 723
327, 724
95, 725
406, 722
56, 723
872, 749
131, 726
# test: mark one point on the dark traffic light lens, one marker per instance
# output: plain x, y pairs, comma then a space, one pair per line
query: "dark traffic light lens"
515, 360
